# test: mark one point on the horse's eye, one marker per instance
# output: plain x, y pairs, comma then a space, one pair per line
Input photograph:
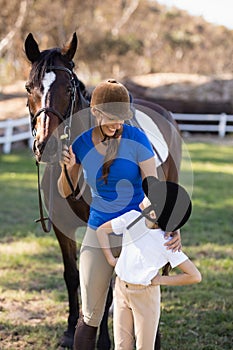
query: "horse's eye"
69, 89
28, 88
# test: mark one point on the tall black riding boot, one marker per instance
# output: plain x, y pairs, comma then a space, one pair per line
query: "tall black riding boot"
158, 341
85, 336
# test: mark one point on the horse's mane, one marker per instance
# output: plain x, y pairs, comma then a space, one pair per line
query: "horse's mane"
47, 59
86, 94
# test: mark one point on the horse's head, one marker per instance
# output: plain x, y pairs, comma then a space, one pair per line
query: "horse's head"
53, 94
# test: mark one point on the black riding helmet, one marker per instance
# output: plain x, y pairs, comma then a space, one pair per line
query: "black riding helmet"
170, 202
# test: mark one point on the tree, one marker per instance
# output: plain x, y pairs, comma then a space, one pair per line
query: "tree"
6, 41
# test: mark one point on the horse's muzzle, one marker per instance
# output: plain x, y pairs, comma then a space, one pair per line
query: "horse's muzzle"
48, 151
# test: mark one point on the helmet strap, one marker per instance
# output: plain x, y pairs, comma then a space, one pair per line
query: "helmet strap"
146, 214
106, 137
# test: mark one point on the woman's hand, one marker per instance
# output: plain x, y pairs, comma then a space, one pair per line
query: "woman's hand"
68, 157
112, 261
175, 242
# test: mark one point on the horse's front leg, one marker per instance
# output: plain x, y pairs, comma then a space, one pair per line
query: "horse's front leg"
71, 277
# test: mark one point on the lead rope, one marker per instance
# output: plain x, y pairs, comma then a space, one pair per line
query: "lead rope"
65, 138
43, 219
73, 195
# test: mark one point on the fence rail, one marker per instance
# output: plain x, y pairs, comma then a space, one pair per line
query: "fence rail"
220, 123
12, 130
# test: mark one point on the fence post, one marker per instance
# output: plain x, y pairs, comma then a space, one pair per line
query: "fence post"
8, 135
222, 125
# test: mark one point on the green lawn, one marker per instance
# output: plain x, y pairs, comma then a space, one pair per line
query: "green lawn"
33, 298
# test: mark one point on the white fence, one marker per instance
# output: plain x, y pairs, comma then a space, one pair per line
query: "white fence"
205, 123
12, 130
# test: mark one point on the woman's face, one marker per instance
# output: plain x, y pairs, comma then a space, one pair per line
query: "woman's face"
109, 124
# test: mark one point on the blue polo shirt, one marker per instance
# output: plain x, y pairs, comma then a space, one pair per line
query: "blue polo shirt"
123, 191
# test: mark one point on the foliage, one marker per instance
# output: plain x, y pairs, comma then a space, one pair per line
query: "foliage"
153, 38
33, 301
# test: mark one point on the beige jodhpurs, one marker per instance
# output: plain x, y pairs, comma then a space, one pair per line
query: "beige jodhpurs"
136, 315
95, 276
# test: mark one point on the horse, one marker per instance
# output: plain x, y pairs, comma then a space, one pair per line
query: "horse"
55, 99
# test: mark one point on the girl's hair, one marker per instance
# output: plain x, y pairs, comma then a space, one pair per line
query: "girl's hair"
111, 153
166, 269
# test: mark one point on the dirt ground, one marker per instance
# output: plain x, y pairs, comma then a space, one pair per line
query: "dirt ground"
13, 100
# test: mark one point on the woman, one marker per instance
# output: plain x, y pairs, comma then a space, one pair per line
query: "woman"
115, 158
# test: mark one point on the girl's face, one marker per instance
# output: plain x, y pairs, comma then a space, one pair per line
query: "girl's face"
109, 124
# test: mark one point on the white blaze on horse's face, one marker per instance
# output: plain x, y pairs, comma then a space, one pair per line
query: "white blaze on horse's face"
49, 78
47, 81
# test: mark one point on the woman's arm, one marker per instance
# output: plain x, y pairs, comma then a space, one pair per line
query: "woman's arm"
190, 275
175, 242
68, 159
148, 168
102, 233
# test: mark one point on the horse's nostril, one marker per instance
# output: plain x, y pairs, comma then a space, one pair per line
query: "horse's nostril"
34, 146
40, 147
49, 150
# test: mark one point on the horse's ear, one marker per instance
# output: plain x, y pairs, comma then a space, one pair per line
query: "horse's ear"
70, 48
31, 48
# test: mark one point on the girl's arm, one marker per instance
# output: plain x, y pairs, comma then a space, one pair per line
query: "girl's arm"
68, 159
190, 275
102, 233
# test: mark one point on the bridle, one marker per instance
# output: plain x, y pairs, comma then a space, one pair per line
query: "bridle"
65, 138
67, 117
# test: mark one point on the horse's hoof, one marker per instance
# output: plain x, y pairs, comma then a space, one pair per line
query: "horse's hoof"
67, 340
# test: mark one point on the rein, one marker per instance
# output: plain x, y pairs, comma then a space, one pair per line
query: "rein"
65, 138
43, 219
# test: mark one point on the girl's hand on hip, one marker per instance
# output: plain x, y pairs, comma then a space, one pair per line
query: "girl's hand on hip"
156, 280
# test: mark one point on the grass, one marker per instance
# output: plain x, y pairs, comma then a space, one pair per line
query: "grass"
33, 298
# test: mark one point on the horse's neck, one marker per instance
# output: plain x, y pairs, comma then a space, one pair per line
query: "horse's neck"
82, 118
